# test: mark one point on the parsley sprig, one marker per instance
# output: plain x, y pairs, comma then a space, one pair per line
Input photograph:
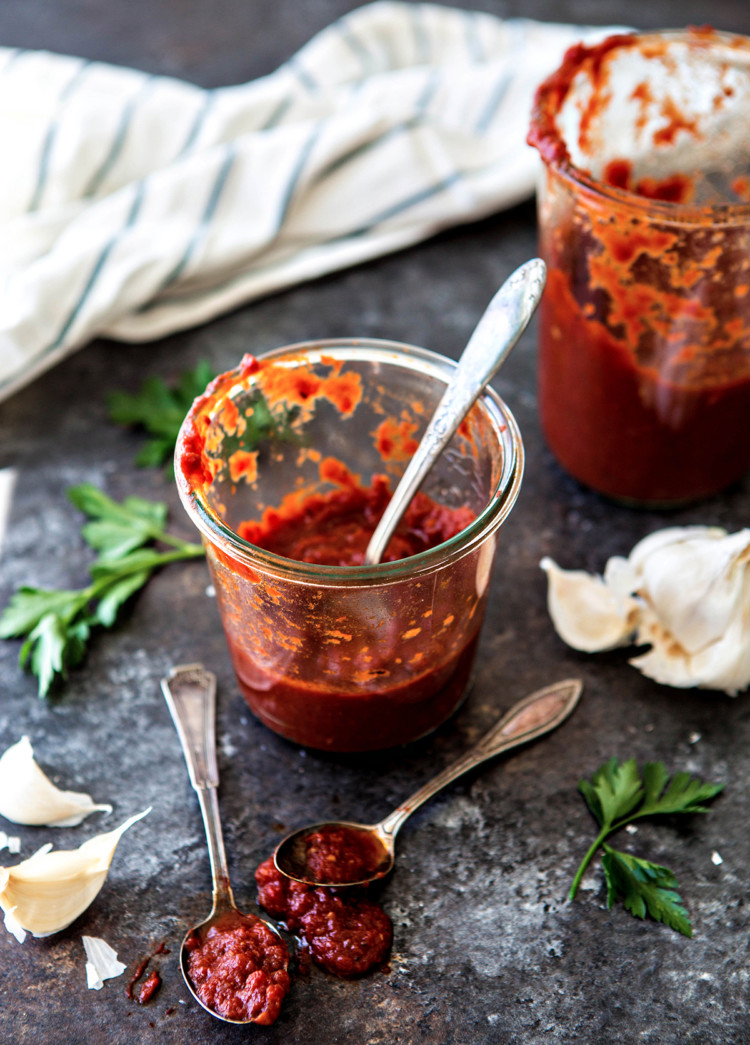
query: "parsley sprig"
618, 795
56, 625
159, 409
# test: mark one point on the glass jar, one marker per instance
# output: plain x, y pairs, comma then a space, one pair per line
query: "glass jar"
644, 345
344, 658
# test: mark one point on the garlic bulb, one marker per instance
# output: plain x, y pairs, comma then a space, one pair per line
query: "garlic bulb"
684, 591
45, 893
28, 796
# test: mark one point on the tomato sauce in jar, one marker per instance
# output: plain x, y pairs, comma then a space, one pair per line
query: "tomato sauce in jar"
644, 346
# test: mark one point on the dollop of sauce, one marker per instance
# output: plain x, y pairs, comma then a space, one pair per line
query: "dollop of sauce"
345, 933
239, 970
341, 854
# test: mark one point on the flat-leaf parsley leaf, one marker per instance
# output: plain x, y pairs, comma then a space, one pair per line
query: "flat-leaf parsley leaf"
56, 624
617, 795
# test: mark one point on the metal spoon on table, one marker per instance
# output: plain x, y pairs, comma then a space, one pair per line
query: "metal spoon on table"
530, 718
190, 693
500, 327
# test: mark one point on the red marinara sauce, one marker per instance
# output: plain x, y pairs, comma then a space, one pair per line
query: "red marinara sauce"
345, 932
342, 854
334, 528
239, 969
316, 710
644, 344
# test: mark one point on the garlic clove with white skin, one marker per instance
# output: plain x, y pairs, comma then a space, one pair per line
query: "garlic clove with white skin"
45, 893
28, 796
587, 614
688, 589
694, 582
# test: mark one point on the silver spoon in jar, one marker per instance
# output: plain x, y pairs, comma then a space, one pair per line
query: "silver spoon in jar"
504, 320
530, 718
190, 693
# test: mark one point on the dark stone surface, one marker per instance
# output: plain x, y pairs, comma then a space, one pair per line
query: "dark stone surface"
486, 947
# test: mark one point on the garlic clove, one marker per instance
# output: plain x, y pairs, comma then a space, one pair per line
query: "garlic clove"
45, 893
586, 613
694, 583
28, 796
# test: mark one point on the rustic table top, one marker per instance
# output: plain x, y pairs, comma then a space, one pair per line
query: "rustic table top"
486, 947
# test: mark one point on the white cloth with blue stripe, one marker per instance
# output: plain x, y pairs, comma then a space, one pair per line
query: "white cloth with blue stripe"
132, 206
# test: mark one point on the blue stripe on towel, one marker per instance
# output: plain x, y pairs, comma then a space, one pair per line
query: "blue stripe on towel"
378, 219
493, 103
302, 74
410, 201
200, 118
115, 149
49, 139
99, 265
421, 39
357, 48
359, 150
208, 212
473, 39
277, 114
293, 181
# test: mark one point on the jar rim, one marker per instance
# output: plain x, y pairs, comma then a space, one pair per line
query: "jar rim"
501, 500
545, 136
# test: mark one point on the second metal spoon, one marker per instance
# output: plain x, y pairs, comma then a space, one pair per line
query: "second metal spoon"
503, 322
190, 693
530, 718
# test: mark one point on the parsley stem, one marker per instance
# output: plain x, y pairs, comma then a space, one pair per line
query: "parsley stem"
604, 833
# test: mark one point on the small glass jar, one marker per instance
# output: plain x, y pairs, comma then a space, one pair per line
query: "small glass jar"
644, 217
345, 658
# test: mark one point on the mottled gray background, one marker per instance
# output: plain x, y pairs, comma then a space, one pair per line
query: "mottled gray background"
486, 947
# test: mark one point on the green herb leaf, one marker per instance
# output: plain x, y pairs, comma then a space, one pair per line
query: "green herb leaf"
160, 409
30, 605
683, 794
614, 790
56, 625
644, 888
617, 795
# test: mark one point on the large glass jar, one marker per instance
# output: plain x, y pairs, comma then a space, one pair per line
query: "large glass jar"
355, 657
644, 350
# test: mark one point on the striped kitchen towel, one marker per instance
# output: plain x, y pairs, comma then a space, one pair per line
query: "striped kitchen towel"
133, 205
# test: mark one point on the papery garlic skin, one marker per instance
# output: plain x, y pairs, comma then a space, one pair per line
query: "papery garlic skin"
45, 893
101, 962
689, 592
28, 796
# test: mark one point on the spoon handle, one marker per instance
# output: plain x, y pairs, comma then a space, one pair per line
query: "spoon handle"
530, 718
190, 693
503, 322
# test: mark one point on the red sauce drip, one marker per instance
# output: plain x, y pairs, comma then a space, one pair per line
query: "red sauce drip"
344, 932
240, 969
149, 987
139, 971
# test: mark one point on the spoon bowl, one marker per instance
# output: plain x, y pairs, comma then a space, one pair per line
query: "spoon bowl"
190, 693
369, 849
